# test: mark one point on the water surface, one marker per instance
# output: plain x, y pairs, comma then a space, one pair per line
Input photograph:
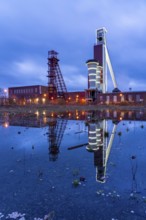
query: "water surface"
102, 176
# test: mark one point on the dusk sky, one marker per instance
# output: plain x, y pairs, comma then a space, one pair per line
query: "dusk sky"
29, 28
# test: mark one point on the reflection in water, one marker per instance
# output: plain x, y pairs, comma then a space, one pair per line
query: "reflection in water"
25, 166
100, 144
99, 141
56, 130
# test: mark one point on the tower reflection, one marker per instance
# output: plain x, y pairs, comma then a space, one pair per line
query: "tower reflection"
56, 128
100, 143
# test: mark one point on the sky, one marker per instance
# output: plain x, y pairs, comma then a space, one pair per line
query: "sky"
30, 28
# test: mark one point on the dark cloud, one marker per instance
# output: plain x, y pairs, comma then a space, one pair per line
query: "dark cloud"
30, 28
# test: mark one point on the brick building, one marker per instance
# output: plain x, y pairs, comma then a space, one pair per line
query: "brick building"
122, 98
31, 94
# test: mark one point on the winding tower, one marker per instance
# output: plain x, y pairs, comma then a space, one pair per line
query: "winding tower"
56, 84
98, 66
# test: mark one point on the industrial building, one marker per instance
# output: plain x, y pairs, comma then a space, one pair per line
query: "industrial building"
28, 94
98, 67
96, 92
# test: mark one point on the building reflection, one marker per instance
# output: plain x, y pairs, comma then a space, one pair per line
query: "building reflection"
100, 143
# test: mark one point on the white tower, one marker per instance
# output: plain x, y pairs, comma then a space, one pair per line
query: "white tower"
97, 67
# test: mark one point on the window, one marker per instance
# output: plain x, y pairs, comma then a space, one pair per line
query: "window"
92, 65
137, 98
130, 97
107, 98
36, 90
115, 113
114, 98
107, 113
122, 98
92, 71
92, 84
92, 77
101, 98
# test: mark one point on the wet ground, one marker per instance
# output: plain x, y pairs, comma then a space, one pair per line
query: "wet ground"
41, 179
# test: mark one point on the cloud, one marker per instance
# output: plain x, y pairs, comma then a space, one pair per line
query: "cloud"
30, 28
73, 78
26, 72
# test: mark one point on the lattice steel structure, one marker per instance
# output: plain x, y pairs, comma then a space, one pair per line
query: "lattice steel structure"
56, 84
57, 127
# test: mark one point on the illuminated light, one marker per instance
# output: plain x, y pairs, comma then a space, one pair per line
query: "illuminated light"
121, 118
83, 113
45, 120
77, 96
5, 90
121, 94
92, 138
92, 68
6, 125
92, 74
43, 100
98, 135
52, 98
36, 100
77, 117
44, 113
45, 95
69, 98
69, 114
92, 132
92, 143
92, 62
99, 140
37, 113
52, 114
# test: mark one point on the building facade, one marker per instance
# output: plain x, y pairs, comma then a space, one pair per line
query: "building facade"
28, 94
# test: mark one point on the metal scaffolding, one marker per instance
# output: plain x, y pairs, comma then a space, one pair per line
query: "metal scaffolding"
56, 84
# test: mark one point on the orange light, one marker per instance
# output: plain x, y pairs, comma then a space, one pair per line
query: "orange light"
6, 125
121, 118
121, 94
43, 100
69, 114
45, 95
36, 100
37, 113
